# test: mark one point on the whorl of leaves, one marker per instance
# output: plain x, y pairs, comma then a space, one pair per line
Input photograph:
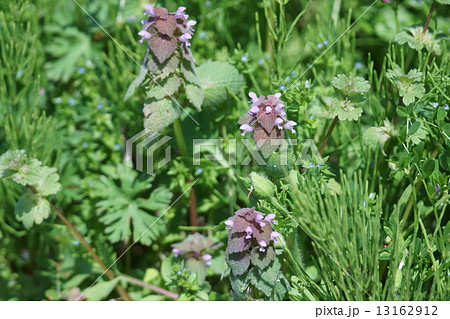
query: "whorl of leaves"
168, 68
251, 255
194, 251
409, 85
351, 89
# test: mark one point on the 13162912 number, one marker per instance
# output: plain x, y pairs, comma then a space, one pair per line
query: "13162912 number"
406, 310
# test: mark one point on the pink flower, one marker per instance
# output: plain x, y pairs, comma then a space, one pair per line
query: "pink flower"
145, 35
249, 232
149, 11
228, 223
180, 13
274, 235
289, 126
270, 218
253, 96
246, 128
190, 24
207, 258
175, 251
185, 38
262, 244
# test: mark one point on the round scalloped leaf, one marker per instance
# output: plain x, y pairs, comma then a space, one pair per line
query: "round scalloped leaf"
262, 259
238, 262
165, 87
48, 181
215, 78
31, 208
160, 114
195, 95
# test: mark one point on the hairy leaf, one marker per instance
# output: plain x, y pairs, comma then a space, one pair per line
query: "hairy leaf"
215, 78
195, 95
31, 208
162, 46
160, 114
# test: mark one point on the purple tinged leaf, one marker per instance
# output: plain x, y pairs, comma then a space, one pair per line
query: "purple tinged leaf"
166, 26
238, 262
162, 46
267, 120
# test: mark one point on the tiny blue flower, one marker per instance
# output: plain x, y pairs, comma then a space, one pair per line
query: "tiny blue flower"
179, 272
91, 184
207, 4
71, 101
364, 203
202, 34
446, 107
244, 58
358, 65
199, 170
325, 42
311, 165
318, 165
307, 84
298, 83
260, 61
19, 73
282, 87
117, 147
311, 117
81, 70
293, 73
77, 242
319, 45
99, 106
435, 104
58, 100
85, 144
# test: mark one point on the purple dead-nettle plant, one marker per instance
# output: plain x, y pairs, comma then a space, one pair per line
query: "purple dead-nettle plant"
168, 71
195, 251
267, 120
251, 255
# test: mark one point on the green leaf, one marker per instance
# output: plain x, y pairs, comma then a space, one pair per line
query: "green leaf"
417, 133
198, 267
31, 208
416, 40
195, 95
350, 85
136, 82
402, 111
409, 85
215, 78
262, 259
122, 208
189, 74
265, 280
334, 187
101, 290
48, 181
164, 88
345, 110
160, 114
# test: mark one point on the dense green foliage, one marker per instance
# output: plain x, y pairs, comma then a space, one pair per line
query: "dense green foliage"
360, 198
